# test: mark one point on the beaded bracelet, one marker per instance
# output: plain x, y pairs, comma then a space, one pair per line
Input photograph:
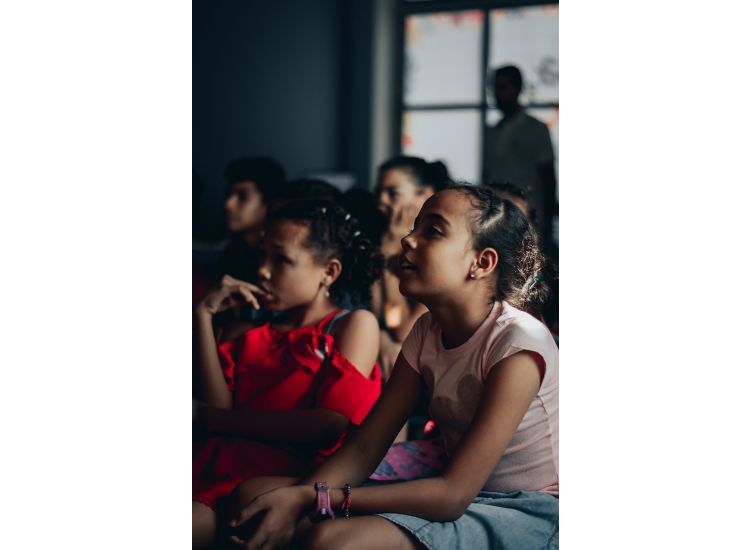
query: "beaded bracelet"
347, 502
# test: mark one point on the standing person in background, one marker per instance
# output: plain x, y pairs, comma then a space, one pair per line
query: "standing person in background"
404, 184
519, 149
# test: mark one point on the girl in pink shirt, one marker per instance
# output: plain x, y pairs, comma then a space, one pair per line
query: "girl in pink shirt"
491, 372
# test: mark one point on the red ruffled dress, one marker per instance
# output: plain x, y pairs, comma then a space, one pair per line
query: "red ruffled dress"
279, 371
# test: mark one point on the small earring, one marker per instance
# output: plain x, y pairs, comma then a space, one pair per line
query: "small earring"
328, 294
473, 275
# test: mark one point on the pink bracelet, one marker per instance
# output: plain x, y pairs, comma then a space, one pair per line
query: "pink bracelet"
323, 510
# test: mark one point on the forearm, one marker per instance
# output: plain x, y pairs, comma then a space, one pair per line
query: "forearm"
432, 499
353, 463
214, 388
320, 428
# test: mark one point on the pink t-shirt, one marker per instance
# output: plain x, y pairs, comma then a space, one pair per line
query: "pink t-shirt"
455, 378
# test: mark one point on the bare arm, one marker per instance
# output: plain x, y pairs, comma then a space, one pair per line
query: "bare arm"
359, 457
355, 337
509, 390
229, 294
213, 386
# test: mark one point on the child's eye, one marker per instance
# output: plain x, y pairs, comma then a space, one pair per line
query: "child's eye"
432, 232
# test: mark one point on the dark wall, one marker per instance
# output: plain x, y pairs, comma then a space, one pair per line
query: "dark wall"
285, 78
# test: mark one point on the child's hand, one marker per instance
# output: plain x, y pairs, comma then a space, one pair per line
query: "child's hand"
229, 294
283, 507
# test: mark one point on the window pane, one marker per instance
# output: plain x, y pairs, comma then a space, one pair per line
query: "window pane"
452, 136
443, 58
528, 38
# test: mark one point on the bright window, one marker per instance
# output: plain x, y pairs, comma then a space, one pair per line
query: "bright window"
447, 86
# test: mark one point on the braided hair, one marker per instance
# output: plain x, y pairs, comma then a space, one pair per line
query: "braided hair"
335, 233
521, 278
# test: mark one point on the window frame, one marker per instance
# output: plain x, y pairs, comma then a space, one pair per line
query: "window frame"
423, 7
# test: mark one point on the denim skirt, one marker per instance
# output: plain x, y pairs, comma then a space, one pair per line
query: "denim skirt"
509, 521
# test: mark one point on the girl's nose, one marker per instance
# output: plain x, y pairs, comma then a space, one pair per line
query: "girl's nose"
408, 242
263, 273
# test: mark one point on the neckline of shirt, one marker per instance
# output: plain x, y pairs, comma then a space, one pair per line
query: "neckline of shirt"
498, 311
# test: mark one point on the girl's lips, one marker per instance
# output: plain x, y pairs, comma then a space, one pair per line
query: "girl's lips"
265, 294
405, 264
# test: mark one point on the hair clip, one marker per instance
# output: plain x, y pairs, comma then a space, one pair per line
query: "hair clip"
323, 210
357, 233
348, 216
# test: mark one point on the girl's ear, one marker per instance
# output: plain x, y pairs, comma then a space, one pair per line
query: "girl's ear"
485, 263
332, 272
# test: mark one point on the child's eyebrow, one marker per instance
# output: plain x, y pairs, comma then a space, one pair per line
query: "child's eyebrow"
438, 217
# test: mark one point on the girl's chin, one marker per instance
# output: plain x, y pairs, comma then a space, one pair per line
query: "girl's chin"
270, 305
407, 288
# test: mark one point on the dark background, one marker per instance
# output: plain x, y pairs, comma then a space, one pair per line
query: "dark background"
291, 79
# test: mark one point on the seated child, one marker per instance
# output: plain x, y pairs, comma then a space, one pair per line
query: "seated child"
279, 398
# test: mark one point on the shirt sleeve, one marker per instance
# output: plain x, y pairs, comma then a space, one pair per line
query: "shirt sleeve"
517, 338
345, 390
411, 349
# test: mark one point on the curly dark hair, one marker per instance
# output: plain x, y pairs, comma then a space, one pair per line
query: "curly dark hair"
335, 233
268, 174
522, 271
308, 188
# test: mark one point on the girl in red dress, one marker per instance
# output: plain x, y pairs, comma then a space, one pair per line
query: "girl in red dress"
279, 398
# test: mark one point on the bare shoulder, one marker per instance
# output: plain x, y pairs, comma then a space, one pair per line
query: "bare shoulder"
359, 319
356, 337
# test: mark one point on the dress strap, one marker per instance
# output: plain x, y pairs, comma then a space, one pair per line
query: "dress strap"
335, 318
